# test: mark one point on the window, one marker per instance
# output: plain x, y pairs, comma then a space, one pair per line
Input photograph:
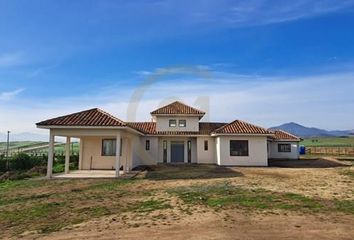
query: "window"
238, 148
172, 123
206, 145
147, 145
182, 123
284, 147
108, 147
189, 145
164, 151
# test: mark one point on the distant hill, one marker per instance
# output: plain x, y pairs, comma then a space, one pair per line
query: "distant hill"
303, 131
25, 136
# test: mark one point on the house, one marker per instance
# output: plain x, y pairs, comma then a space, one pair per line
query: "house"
176, 134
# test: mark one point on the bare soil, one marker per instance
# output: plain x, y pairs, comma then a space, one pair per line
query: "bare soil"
183, 221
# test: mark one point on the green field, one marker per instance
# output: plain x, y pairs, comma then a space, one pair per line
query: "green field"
17, 145
328, 142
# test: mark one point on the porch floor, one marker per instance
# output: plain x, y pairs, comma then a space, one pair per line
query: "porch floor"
90, 174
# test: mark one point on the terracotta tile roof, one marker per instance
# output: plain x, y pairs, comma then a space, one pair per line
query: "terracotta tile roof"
177, 108
241, 127
91, 117
282, 135
143, 127
205, 128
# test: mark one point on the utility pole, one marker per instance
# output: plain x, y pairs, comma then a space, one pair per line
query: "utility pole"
7, 150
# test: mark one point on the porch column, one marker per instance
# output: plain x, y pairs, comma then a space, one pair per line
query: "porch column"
117, 154
67, 154
50, 155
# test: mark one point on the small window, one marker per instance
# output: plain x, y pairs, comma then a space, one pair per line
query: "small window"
284, 147
108, 147
182, 123
206, 145
172, 123
238, 148
147, 145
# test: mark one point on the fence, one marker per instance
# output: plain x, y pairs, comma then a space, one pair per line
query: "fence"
330, 150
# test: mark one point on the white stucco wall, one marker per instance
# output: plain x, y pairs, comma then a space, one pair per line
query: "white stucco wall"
162, 123
274, 154
92, 154
141, 156
208, 156
257, 148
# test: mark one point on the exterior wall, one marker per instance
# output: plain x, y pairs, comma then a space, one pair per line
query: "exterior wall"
162, 123
257, 149
92, 154
141, 156
274, 154
183, 139
208, 156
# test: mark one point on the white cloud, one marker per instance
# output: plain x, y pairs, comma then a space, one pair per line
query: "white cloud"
261, 12
324, 101
11, 59
6, 96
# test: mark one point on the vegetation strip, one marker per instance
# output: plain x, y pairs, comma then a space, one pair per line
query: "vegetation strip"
226, 195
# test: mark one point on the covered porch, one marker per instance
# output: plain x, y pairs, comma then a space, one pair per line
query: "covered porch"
103, 153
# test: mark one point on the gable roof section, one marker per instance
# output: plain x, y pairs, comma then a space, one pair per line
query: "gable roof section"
282, 135
241, 127
149, 128
177, 108
92, 117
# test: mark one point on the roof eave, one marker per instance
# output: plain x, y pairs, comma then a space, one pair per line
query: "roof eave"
243, 134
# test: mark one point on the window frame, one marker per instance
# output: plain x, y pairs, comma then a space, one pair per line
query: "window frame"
182, 120
206, 145
114, 147
170, 123
147, 145
287, 145
239, 153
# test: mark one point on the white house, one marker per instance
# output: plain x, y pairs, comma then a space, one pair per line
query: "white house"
176, 134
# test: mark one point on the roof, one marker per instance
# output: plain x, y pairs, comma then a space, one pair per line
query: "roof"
177, 108
149, 128
282, 135
241, 127
91, 117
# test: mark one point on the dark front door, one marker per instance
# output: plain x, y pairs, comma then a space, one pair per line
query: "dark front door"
177, 152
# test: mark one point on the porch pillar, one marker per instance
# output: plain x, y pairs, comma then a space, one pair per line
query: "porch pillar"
67, 154
118, 154
50, 155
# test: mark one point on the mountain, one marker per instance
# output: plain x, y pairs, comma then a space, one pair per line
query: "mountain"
303, 131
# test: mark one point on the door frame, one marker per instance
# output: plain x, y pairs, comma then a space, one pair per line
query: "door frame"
177, 143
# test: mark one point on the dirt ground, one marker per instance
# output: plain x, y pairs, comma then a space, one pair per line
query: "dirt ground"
326, 180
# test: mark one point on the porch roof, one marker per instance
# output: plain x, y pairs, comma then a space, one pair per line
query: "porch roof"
94, 117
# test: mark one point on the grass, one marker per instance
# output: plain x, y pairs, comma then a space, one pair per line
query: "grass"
226, 195
329, 142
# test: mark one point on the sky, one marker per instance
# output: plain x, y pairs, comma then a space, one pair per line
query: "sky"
263, 61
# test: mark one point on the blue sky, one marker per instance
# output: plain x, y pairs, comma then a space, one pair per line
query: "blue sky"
267, 62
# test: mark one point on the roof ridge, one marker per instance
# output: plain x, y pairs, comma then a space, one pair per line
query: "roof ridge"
176, 108
242, 122
281, 130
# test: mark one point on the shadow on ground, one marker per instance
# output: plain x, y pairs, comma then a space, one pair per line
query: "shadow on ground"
189, 171
307, 163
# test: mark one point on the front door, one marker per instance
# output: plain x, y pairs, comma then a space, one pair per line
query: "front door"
177, 152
